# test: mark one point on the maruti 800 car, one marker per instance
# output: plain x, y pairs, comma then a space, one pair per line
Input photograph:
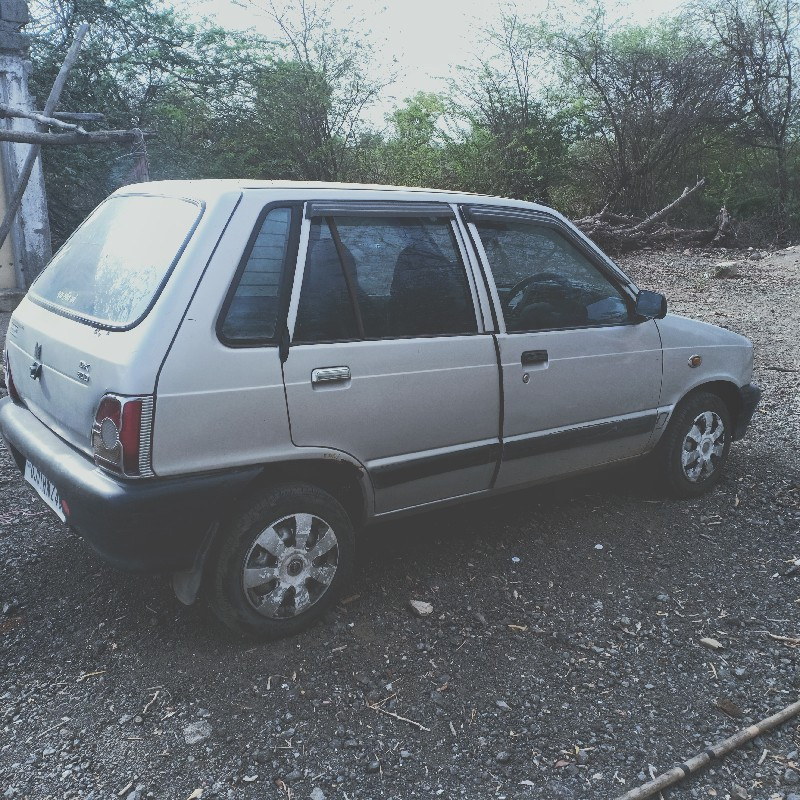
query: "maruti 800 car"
223, 380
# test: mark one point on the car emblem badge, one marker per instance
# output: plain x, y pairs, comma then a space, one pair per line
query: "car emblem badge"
83, 372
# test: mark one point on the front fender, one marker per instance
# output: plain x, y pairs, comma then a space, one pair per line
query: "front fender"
725, 357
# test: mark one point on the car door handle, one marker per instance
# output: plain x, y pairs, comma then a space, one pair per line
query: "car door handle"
534, 357
330, 375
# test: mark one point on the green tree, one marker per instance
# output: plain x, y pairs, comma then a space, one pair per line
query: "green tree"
757, 41
333, 81
141, 65
414, 147
646, 96
222, 104
510, 116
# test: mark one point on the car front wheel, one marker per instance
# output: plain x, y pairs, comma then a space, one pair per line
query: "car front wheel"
692, 454
282, 561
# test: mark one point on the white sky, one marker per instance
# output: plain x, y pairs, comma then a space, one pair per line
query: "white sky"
426, 39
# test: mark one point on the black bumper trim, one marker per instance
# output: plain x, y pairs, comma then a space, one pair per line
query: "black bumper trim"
748, 400
150, 525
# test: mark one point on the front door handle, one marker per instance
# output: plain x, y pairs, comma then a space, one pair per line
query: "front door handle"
329, 375
534, 357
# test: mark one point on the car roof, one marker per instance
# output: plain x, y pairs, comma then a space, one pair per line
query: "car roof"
208, 189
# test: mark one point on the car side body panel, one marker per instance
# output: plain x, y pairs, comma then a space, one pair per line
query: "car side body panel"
420, 414
592, 401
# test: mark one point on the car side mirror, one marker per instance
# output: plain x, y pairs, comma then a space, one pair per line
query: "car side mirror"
650, 305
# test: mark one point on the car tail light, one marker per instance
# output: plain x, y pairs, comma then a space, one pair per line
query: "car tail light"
122, 435
12, 389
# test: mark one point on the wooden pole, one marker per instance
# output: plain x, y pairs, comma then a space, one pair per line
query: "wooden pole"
51, 122
80, 116
49, 107
716, 751
90, 137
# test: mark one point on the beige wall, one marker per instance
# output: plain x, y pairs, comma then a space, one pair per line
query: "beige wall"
8, 276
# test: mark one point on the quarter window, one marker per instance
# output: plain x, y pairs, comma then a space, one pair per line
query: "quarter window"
379, 277
545, 282
253, 309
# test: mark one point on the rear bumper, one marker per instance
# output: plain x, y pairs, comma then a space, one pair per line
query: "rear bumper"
748, 400
154, 525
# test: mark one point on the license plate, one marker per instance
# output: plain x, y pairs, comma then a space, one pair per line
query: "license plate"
36, 478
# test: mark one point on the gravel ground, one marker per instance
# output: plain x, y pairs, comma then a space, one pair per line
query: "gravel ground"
563, 658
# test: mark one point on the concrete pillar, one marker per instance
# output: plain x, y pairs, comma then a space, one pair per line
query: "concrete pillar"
27, 248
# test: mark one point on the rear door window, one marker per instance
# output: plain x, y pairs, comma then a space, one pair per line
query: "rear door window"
376, 277
112, 268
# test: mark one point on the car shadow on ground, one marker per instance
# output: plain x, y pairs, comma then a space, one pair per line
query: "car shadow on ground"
475, 521
388, 554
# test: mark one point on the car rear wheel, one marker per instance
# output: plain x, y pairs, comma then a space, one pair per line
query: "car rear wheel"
282, 561
693, 451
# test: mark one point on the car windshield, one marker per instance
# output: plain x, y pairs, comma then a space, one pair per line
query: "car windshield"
112, 268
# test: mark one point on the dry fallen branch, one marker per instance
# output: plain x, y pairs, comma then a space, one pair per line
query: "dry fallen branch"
619, 232
419, 725
716, 751
91, 674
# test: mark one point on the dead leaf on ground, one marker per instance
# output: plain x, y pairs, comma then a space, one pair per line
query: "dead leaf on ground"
11, 623
729, 707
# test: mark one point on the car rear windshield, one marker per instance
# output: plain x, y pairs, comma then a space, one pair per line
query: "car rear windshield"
112, 268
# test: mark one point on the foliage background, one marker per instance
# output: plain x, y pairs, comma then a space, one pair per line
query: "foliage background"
577, 114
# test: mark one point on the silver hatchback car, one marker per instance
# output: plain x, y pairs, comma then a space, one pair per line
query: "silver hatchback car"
224, 379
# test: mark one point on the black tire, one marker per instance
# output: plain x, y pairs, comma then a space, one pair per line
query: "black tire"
293, 576
704, 471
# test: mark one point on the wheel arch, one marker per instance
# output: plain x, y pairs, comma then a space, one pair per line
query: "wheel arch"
726, 390
335, 473
343, 479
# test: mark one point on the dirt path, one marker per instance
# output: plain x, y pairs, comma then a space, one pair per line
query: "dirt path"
563, 658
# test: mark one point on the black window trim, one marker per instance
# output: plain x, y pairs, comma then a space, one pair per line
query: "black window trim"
85, 319
378, 208
408, 338
287, 278
481, 213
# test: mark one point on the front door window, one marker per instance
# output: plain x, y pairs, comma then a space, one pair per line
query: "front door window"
545, 282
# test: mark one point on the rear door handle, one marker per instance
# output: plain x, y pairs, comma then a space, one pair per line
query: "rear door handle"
534, 357
329, 375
